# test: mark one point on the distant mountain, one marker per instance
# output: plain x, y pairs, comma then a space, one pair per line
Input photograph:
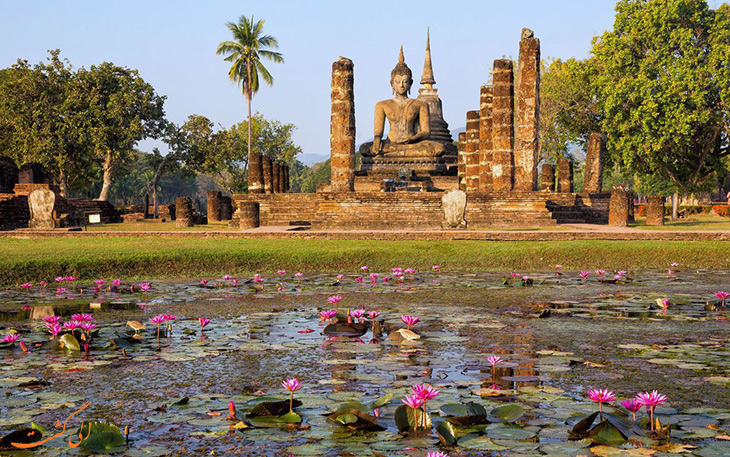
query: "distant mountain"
455, 133
311, 159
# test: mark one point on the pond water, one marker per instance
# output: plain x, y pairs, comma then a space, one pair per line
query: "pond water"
558, 336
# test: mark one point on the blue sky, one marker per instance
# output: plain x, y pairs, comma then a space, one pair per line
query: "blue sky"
172, 44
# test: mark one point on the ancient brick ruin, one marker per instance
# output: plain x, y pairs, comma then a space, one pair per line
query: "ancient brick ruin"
404, 175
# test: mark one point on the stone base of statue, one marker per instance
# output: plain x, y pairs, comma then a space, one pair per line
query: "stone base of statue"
425, 158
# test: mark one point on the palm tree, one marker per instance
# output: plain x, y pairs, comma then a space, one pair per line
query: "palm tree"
245, 52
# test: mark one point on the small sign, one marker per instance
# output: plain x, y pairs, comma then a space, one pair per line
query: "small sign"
94, 218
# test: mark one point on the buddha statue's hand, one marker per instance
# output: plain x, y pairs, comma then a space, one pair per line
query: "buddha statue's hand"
375, 149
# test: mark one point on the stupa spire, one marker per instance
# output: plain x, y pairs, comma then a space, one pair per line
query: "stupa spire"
427, 77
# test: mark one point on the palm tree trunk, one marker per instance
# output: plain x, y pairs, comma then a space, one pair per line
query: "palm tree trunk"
254, 159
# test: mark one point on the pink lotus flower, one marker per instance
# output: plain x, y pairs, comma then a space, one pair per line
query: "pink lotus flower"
376, 412
82, 317
618, 277
339, 277
59, 279
144, 286
281, 272
26, 285
203, 322
584, 274
235, 282
26, 307
397, 271
359, 279
51, 319
87, 326
327, 315
231, 411
357, 313
558, 267
43, 284
494, 359
665, 303
117, 282
160, 318
437, 454
373, 314
298, 275
515, 275
674, 264
292, 385
722, 296
60, 290
364, 268
601, 396
258, 279
203, 282
227, 277
670, 272
600, 273
621, 272
425, 392
436, 267
413, 401
99, 282
53, 328
10, 338
374, 277
335, 299
409, 320
633, 406
651, 400
71, 325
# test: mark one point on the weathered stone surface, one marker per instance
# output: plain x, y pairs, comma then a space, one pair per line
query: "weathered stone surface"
184, 212
528, 113
256, 173
40, 204
547, 178
471, 152
453, 205
8, 175
226, 208
503, 125
276, 175
593, 178
286, 178
565, 175
618, 207
213, 205
655, 211
268, 172
33, 173
342, 126
248, 215
462, 160
485, 138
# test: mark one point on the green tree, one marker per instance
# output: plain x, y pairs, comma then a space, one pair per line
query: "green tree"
115, 109
245, 52
663, 81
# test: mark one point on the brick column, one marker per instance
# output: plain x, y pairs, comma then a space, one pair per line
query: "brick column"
471, 152
618, 206
286, 178
184, 212
213, 205
485, 139
281, 178
255, 174
248, 215
342, 127
593, 178
268, 170
226, 208
655, 211
275, 177
565, 175
528, 113
503, 125
461, 160
547, 178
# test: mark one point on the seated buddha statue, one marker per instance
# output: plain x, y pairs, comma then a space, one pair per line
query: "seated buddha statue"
408, 118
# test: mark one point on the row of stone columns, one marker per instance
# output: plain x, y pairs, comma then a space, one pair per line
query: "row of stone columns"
267, 176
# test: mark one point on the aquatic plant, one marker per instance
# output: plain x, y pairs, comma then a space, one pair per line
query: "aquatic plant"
373, 314
722, 296
53, 328
281, 272
437, 454
364, 268
203, 321
584, 274
494, 360
82, 317
410, 321
633, 406
292, 385
651, 400
144, 286
159, 319
327, 315
26, 286
357, 313
10, 338
601, 396
334, 299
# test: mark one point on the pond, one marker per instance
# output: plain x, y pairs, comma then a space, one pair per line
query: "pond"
556, 335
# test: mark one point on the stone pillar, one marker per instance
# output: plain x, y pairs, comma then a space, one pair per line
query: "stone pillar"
184, 212
618, 206
655, 211
248, 215
275, 177
503, 125
147, 205
461, 160
342, 127
593, 178
286, 178
281, 177
226, 208
471, 152
565, 175
485, 139
528, 112
547, 178
268, 171
255, 173
214, 206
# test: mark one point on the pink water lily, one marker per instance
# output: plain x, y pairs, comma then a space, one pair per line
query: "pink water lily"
364, 268
409, 320
339, 277
26, 285
160, 318
327, 315
494, 359
357, 313
601, 396
99, 282
258, 279
413, 401
203, 282
674, 264
71, 325
632, 405
437, 454
227, 277
292, 385
410, 271
373, 314
51, 319
43, 284
436, 267
82, 317
584, 274
425, 391
87, 326
651, 400
600, 273
60, 290
117, 282
10, 338
722, 296
334, 299
359, 279
144, 286
281, 272
203, 321
373, 277
53, 328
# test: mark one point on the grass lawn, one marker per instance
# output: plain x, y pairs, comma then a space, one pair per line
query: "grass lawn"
694, 222
149, 257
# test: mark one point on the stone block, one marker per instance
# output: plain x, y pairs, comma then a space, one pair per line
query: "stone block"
655, 211
618, 207
255, 173
248, 215
40, 204
593, 178
213, 205
184, 212
453, 205
268, 174
226, 208
547, 178
565, 175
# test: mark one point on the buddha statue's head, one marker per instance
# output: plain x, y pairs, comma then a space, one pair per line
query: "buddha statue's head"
401, 78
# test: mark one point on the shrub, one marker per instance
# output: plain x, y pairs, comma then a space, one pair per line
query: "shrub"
722, 210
